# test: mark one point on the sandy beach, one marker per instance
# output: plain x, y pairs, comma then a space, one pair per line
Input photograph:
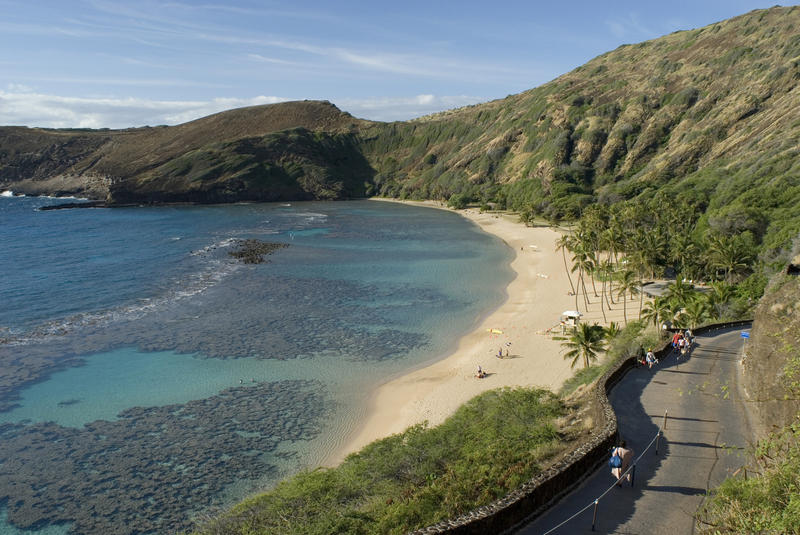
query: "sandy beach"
536, 298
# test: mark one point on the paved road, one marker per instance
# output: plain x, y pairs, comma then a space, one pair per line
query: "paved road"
704, 439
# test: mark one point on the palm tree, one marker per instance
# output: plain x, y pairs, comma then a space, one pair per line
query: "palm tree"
627, 284
720, 294
563, 244
638, 264
696, 312
612, 331
601, 271
582, 263
681, 292
608, 275
684, 253
657, 311
730, 254
585, 343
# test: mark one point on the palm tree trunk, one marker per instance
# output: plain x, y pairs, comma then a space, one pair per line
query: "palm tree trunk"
641, 299
611, 270
564, 256
625, 307
602, 301
585, 291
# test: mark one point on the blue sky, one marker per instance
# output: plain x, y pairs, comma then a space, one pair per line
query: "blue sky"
115, 63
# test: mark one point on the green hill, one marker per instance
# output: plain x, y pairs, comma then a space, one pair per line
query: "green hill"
710, 115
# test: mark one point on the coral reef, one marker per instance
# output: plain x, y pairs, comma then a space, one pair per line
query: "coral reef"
151, 469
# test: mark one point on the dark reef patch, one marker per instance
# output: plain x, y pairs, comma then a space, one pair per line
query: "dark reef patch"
254, 251
149, 471
239, 320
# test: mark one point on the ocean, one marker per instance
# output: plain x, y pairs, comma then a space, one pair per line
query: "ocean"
148, 378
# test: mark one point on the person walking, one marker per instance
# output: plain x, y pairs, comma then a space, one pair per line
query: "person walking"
651, 358
626, 456
676, 339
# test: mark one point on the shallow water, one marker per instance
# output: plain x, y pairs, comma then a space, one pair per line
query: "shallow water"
138, 356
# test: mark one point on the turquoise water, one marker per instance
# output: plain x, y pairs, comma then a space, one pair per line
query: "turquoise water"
148, 376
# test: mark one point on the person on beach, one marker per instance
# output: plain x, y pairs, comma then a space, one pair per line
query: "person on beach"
626, 454
481, 374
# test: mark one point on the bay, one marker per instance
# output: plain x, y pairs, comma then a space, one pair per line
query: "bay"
148, 377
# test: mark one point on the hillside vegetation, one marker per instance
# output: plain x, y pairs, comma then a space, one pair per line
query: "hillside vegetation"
707, 117
295, 150
764, 497
490, 446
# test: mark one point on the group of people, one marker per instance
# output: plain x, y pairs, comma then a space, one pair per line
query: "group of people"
501, 353
682, 342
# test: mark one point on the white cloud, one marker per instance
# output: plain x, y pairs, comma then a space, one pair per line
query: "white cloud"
53, 111
19, 88
265, 59
28, 108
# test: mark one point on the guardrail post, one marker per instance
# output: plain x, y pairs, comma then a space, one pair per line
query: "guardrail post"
665, 420
594, 516
658, 439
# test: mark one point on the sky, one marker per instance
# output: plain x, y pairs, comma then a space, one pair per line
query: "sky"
117, 64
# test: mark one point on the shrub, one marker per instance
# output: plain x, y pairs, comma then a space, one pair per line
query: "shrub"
490, 446
458, 201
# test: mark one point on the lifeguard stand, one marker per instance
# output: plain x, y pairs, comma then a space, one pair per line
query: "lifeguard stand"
570, 318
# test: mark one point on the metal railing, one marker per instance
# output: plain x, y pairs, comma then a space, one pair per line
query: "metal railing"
630, 470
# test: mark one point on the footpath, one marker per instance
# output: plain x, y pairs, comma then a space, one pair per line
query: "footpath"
705, 439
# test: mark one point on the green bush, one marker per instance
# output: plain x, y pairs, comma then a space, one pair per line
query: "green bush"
768, 501
490, 446
458, 201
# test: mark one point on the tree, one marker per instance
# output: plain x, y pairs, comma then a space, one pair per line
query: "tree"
680, 292
718, 297
585, 343
563, 244
731, 255
657, 311
582, 262
696, 312
458, 201
627, 284
612, 331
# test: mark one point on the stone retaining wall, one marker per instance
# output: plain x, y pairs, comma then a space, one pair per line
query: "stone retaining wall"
524, 504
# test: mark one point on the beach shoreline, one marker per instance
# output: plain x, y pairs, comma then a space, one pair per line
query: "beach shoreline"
536, 297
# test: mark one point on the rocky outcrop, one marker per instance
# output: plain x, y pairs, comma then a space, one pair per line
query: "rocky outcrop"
255, 251
772, 362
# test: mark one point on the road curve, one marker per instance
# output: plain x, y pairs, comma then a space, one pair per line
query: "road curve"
705, 438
